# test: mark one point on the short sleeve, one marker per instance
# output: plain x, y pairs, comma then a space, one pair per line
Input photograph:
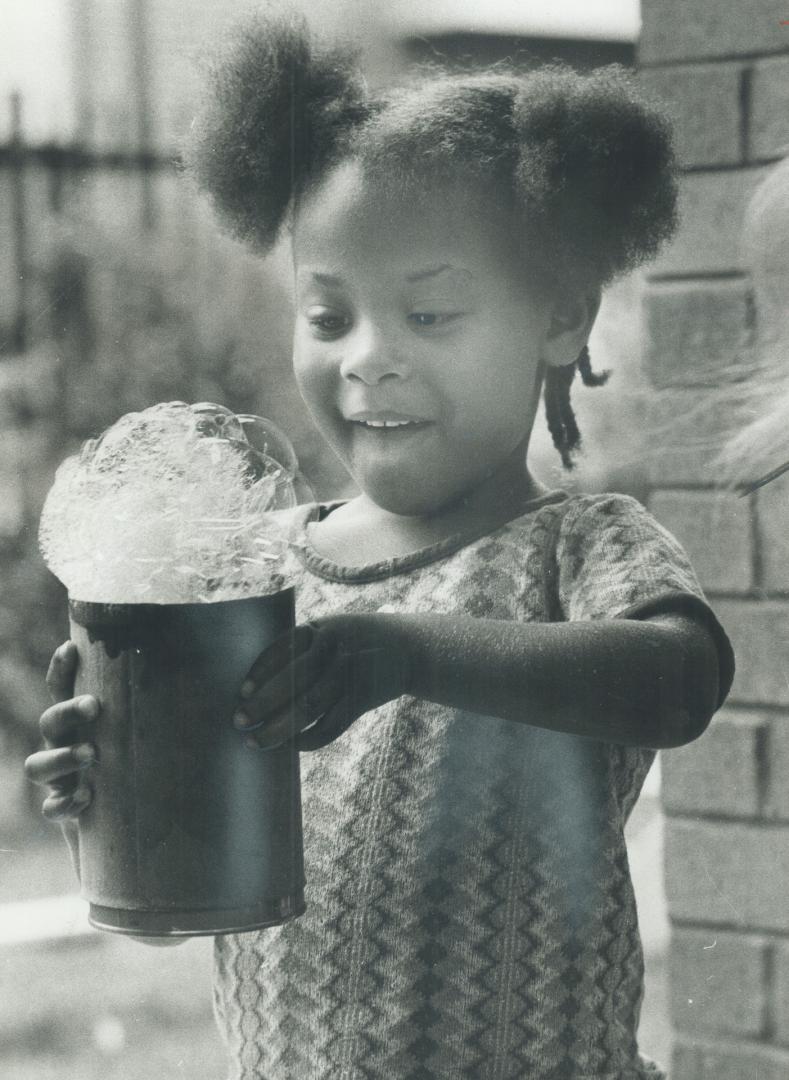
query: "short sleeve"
614, 560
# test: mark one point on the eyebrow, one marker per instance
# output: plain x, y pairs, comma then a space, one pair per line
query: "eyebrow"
326, 279
417, 275
428, 272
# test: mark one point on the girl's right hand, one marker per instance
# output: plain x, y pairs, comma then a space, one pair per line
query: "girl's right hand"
68, 753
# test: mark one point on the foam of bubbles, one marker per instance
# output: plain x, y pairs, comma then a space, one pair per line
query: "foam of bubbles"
174, 504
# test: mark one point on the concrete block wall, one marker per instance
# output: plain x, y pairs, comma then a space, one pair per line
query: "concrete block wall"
723, 69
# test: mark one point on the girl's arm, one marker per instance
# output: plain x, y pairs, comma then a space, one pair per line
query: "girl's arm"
650, 682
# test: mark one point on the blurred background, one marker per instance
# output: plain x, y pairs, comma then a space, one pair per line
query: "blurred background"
117, 291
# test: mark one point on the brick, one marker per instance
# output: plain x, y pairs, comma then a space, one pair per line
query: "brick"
718, 982
714, 527
694, 331
711, 208
768, 130
759, 633
702, 1060
728, 873
781, 993
777, 768
704, 102
676, 30
720, 773
685, 432
772, 515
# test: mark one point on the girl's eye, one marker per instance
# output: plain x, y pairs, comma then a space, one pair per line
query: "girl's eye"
427, 320
327, 324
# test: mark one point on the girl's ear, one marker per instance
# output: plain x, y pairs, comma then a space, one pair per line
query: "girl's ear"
571, 324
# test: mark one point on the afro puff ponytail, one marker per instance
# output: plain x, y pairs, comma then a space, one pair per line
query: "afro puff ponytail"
276, 113
595, 169
585, 163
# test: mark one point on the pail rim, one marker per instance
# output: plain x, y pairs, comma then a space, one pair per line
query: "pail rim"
96, 613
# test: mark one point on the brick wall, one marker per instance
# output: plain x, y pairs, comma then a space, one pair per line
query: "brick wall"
719, 67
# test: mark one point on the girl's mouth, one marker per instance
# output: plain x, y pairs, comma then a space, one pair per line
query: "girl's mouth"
387, 421
377, 425
390, 432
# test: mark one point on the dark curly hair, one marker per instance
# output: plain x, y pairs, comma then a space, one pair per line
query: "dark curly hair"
584, 161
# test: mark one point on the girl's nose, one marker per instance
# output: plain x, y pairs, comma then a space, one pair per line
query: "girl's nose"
370, 357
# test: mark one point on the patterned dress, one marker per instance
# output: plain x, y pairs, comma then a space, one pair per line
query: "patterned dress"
470, 912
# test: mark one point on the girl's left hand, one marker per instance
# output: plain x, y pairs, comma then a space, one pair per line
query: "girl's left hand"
313, 683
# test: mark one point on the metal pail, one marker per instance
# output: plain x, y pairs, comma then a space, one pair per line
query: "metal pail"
189, 831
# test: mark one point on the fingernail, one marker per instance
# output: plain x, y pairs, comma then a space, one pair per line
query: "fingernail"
84, 754
251, 743
241, 720
89, 706
247, 688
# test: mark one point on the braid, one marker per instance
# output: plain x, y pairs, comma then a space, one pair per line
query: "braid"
589, 377
558, 410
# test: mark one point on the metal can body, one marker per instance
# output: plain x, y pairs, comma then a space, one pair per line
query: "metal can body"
189, 831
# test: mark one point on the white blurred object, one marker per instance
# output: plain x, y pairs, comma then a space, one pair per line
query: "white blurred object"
651, 788
109, 1035
598, 20
51, 918
36, 64
645, 850
378, 29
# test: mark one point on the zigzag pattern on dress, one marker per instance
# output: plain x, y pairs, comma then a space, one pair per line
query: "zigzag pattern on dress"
469, 908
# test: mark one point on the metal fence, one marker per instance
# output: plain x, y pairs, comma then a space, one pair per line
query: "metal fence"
37, 182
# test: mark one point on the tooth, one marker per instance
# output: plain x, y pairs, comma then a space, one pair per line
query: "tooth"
387, 423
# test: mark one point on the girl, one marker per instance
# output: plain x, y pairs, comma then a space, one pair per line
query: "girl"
484, 667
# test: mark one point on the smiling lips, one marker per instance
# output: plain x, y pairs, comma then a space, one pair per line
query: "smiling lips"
379, 420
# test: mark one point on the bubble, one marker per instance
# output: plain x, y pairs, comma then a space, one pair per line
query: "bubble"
266, 437
173, 504
216, 420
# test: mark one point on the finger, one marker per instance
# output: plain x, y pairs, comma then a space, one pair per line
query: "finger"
62, 723
47, 766
327, 728
279, 693
61, 671
59, 807
277, 656
364, 686
301, 713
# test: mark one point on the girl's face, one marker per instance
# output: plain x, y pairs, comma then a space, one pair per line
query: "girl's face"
418, 344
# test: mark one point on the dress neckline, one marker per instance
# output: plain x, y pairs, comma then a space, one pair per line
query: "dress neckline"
327, 568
